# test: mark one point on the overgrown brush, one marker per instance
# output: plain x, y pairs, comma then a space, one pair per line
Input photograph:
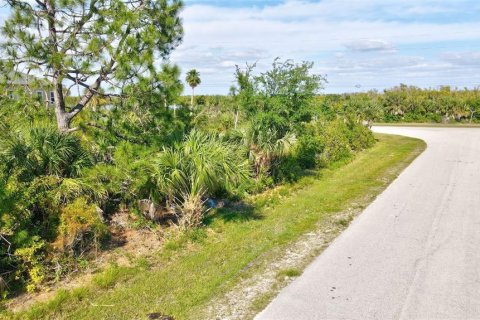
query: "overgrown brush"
40, 172
81, 228
59, 190
201, 166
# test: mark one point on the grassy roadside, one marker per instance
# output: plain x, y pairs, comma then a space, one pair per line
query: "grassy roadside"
428, 124
188, 273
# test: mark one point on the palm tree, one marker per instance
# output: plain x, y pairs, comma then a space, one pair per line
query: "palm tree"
193, 80
45, 159
31, 152
200, 166
265, 146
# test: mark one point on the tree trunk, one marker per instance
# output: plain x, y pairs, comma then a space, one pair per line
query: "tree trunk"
63, 118
63, 121
191, 100
236, 118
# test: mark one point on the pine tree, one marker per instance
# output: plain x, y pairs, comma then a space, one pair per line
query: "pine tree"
101, 45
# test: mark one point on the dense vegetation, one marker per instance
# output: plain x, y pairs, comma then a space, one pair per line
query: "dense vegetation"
159, 157
117, 136
189, 276
409, 104
58, 190
399, 104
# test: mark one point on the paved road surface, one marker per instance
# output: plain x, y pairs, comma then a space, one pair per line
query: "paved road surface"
414, 253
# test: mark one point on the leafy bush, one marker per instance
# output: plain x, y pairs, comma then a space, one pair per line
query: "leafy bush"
405, 104
269, 130
268, 139
308, 149
81, 227
39, 170
32, 258
200, 166
31, 152
288, 169
335, 142
359, 136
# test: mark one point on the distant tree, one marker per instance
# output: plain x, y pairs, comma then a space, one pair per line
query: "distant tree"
193, 80
245, 91
276, 103
364, 107
473, 102
288, 89
90, 43
232, 92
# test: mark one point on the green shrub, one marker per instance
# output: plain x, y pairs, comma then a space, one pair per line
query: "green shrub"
288, 169
335, 143
199, 167
360, 137
32, 258
81, 228
307, 151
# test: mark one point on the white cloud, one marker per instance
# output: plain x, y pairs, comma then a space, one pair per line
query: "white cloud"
228, 64
463, 58
369, 45
373, 63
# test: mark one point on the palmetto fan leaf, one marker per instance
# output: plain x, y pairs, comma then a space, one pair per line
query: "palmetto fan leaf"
70, 189
201, 164
266, 144
29, 154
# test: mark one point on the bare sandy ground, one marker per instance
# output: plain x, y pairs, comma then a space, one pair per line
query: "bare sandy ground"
414, 253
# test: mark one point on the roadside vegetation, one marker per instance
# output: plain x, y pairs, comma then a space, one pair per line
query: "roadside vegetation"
409, 104
94, 125
59, 190
188, 273
67, 165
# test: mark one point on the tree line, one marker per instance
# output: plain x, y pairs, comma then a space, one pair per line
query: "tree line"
409, 104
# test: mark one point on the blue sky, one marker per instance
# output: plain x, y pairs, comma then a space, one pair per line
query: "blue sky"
359, 45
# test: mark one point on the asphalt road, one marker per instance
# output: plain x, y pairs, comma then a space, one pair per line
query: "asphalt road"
414, 253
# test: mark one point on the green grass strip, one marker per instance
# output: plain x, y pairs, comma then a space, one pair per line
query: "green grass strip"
428, 124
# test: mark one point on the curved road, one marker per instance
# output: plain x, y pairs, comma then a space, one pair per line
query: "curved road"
414, 253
